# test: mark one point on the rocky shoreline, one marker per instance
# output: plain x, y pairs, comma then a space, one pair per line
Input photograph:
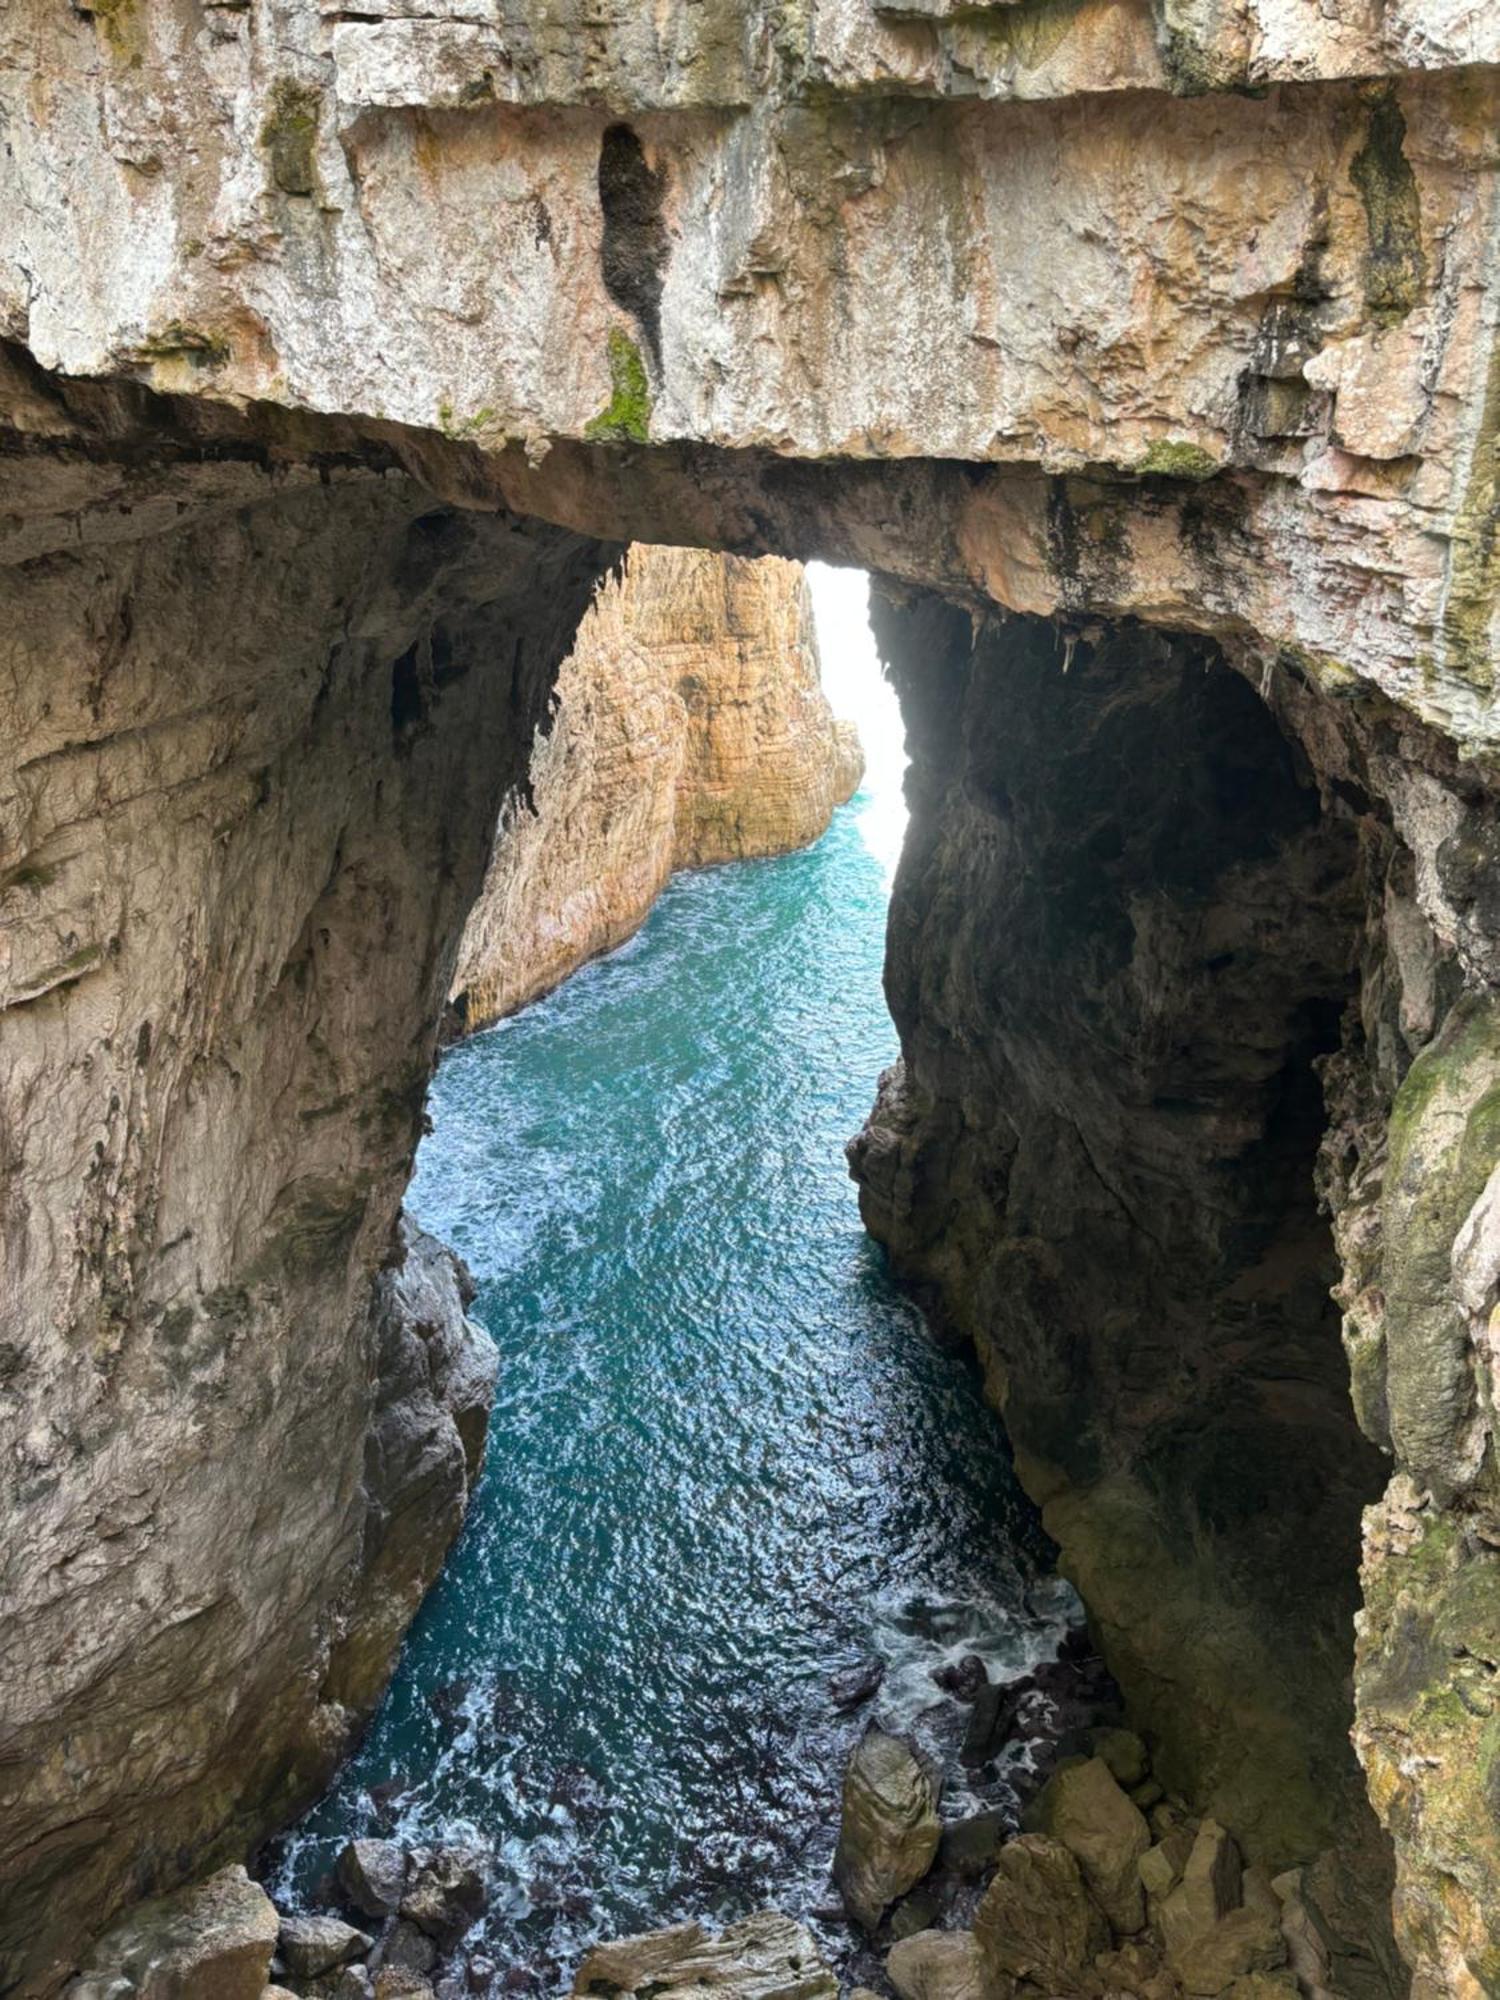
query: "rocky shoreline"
1067, 1870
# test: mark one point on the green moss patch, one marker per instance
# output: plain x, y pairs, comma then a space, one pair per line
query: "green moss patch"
1175, 458
626, 417
1395, 269
289, 136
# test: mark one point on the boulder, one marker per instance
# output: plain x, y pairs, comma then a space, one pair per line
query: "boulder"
1037, 1920
212, 1941
1137, 1968
1161, 1866
351, 1982
372, 1876
767, 1957
856, 1685
889, 1830
937, 1965
1244, 1941
1124, 1753
409, 1948
968, 1846
446, 1889
309, 1946
394, 1982
1210, 1887
1082, 1806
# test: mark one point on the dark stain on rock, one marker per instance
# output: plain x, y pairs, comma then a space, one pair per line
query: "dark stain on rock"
634, 251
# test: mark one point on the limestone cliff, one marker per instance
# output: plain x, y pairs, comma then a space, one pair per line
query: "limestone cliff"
690, 728
343, 349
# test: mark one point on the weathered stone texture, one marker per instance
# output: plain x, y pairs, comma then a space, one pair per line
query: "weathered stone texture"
690, 728
248, 780
1094, 311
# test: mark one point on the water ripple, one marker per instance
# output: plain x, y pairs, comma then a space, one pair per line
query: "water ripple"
725, 1458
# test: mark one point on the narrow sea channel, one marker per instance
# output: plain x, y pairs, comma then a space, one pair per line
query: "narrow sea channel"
726, 1459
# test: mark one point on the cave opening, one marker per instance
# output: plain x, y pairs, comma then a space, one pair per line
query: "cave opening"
1134, 906
1123, 944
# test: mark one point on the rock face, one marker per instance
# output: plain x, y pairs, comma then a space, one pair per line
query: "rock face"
690, 728
242, 1403
767, 1957
1149, 351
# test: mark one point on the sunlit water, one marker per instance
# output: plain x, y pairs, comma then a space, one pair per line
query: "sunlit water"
725, 1460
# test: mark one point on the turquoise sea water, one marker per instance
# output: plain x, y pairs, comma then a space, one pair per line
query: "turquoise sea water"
726, 1459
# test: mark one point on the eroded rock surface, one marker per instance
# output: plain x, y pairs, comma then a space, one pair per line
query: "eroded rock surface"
249, 774
690, 728
1111, 311
766, 1957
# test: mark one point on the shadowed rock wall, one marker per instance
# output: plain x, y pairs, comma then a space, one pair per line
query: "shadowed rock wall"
690, 728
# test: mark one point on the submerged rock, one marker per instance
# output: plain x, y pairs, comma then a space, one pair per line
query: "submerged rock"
767, 1957
889, 1829
213, 1941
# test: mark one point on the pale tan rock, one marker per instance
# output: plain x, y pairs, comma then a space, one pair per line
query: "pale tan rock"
212, 1941
690, 728
766, 1957
1244, 1942
937, 1965
888, 1826
1084, 1808
1210, 1887
1037, 1920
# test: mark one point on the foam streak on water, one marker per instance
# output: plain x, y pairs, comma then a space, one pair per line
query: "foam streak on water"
725, 1458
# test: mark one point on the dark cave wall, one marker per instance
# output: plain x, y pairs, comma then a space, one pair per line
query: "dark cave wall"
1122, 940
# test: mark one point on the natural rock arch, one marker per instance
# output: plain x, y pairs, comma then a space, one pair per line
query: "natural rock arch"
301, 509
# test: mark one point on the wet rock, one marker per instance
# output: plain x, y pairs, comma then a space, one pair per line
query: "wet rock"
396, 1983
937, 1965
968, 1846
445, 1891
767, 1957
1085, 1809
985, 1734
309, 1946
856, 1685
889, 1829
215, 1938
1037, 1920
408, 1948
371, 1875
964, 1679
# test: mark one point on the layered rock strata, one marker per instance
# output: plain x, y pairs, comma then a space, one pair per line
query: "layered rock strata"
250, 773
337, 342
690, 728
